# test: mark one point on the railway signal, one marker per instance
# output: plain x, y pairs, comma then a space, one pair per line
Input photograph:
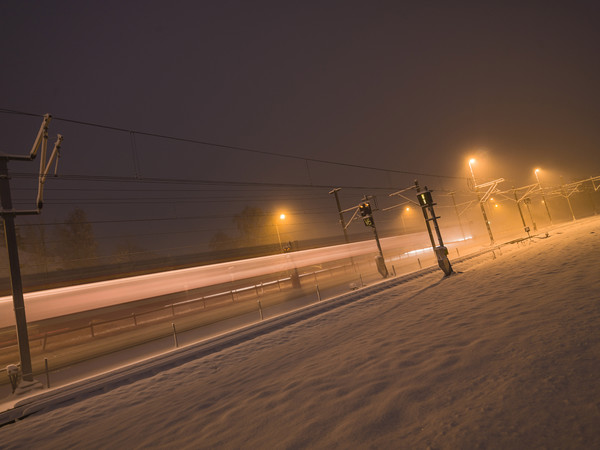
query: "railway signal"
367, 214
441, 252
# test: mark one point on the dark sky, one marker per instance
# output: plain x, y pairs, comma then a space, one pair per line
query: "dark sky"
410, 86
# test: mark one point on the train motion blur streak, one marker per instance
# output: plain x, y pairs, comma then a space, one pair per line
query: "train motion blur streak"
73, 299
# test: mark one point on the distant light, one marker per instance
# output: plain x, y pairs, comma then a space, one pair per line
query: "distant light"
472, 161
282, 216
496, 205
537, 170
407, 208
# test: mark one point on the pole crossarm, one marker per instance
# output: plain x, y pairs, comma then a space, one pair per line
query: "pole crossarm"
567, 190
466, 207
399, 194
491, 190
410, 188
529, 189
353, 216
354, 208
467, 203
41, 141
398, 205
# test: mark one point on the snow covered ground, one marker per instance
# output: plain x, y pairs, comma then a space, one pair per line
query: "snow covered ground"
505, 354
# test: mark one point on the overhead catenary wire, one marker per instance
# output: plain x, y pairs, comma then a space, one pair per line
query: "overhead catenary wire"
226, 146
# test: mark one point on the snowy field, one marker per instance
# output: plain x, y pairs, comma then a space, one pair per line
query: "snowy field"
504, 354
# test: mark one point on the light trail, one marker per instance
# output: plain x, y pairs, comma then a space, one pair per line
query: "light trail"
74, 299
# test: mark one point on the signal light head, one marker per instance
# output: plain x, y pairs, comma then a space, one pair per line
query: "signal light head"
365, 209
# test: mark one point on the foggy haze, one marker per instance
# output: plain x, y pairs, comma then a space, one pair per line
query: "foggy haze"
409, 91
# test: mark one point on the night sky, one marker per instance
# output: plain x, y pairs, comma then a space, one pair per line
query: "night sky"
403, 86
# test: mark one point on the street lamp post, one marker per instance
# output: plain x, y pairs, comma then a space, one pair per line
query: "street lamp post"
281, 217
402, 219
485, 218
543, 197
294, 276
471, 162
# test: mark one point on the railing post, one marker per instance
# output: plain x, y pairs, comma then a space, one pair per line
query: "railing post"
175, 335
47, 373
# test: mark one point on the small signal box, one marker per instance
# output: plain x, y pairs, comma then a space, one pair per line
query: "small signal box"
425, 198
365, 209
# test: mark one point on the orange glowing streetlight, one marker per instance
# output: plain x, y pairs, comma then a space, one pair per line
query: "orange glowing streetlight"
405, 210
471, 162
281, 218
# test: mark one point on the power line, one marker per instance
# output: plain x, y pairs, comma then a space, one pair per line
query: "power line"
227, 146
183, 181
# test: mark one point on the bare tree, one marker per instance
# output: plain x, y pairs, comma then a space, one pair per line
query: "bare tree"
252, 223
32, 239
127, 251
253, 226
77, 246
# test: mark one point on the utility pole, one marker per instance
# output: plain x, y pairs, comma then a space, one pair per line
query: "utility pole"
339, 207
481, 201
10, 235
527, 202
485, 218
567, 195
543, 196
8, 215
525, 227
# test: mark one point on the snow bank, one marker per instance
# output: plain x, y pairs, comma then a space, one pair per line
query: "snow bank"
504, 354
